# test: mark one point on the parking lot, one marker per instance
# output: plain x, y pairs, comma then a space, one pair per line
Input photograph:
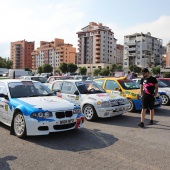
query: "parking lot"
112, 143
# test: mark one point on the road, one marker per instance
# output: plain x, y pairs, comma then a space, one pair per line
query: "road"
107, 144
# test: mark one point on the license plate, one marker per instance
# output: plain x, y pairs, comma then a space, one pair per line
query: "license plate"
63, 122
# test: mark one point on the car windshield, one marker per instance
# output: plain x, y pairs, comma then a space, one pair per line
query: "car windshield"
28, 89
40, 79
162, 84
129, 84
89, 88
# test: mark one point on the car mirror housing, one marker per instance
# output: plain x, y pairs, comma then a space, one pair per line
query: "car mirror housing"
3, 95
76, 92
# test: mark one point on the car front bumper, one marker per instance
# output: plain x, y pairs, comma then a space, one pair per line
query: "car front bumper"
112, 111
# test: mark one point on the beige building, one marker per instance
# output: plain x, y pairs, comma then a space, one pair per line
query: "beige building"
119, 54
53, 53
168, 55
96, 44
21, 54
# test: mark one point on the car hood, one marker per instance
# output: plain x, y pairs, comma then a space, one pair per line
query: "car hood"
104, 96
50, 103
164, 89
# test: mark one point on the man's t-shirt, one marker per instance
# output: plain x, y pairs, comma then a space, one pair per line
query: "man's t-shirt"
148, 85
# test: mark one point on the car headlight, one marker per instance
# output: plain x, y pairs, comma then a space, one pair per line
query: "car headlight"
41, 115
106, 104
76, 111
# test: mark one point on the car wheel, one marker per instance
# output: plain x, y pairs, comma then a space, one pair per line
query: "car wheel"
89, 112
165, 99
19, 125
131, 107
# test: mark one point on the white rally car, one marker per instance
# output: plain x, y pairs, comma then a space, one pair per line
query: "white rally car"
94, 101
30, 108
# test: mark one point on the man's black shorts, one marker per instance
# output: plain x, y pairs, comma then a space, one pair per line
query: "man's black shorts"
148, 102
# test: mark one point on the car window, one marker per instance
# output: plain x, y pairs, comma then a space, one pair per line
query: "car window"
111, 85
3, 88
129, 84
100, 82
162, 84
68, 87
57, 85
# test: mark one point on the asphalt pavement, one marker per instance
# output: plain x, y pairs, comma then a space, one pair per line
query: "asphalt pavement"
107, 144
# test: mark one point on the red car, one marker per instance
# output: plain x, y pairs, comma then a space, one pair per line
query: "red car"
165, 80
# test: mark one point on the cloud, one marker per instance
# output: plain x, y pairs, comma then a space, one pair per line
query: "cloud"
158, 29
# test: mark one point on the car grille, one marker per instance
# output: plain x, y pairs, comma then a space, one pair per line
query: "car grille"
117, 102
63, 114
67, 126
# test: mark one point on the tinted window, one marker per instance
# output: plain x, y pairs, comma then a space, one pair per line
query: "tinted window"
129, 84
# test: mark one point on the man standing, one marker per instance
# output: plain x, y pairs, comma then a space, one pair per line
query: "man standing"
148, 91
128, 75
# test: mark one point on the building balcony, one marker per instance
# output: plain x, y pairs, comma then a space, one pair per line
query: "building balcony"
131, 54
97, 53
132, 49
98, 38
97, 60
97, 50
97, 42
131, 43
97, 57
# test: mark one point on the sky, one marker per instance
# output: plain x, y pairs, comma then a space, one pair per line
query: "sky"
45, 20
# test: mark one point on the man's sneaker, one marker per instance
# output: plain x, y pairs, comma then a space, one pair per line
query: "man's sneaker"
151, 122
141, 124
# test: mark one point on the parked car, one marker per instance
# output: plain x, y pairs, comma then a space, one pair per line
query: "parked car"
94, 101
163, 90
83, 78
53, 78
36, 78
127, 88
165, 80
30, 108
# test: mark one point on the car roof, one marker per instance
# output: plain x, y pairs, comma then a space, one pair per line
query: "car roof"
72, 80
112, 78
15, 80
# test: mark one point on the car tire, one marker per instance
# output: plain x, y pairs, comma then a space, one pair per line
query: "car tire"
165, 99
132, 106
19, 125
89, 112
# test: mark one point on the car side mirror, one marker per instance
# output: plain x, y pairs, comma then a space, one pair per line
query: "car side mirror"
76, 92
4, 96
117, 89
57, 90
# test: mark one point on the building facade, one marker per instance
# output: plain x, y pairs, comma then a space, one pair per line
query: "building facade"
21, 54
53, 53
96, 44
168, 55
119, 54
142, 50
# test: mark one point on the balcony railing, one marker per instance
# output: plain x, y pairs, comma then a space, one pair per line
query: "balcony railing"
97, 60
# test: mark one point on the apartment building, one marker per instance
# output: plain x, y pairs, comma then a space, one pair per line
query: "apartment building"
96, 44
119, 54
21, 54
168, 55
142, 50
53, 53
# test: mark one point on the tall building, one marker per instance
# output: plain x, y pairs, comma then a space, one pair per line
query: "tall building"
142, 50
53, 53
168, 55
21, 54
119, 54
96, 44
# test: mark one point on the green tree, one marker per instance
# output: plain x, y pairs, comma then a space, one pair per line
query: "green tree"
166, 75
135, 69
96, 72
83, 70
40, 69
113, 68
72, 67
47, 68
27, 69
155, 70
5, 63
104, 72
119, 67
63, 67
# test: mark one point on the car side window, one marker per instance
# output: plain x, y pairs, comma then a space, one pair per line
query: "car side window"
111, 85
57, 85
68, 87
100, 82
3, 88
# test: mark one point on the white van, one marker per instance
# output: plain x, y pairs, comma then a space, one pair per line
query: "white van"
18, 73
